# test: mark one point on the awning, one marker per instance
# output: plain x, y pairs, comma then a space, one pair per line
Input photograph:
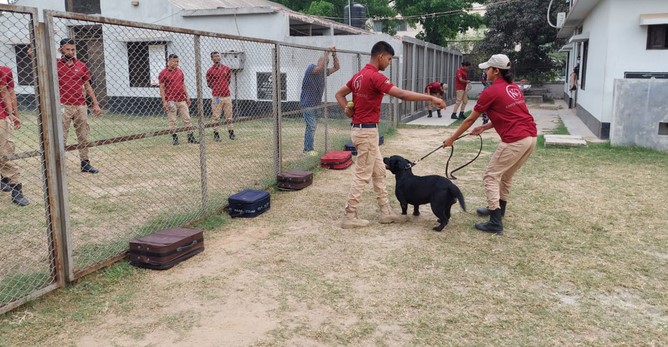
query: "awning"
566, 48
654, 19
579, 38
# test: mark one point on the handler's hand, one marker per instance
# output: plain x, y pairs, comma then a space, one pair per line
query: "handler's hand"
97, 111
15, 121
449, 141
478, 130
349, 112
438, 102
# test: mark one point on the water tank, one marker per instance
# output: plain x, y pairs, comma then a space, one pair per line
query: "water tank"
355, 16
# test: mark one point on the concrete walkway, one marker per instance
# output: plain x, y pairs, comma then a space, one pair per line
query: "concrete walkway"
546, 117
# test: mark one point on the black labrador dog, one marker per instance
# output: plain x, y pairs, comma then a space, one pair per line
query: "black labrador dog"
436, 190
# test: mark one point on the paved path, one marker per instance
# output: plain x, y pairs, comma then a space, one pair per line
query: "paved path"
546, 119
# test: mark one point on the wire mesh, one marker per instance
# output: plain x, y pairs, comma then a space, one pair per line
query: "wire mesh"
26, 261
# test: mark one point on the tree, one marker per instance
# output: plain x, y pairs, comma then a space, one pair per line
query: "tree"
520, 30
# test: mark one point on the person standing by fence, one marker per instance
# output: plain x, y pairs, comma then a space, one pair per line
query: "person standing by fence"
73, 80
461, 83
175, 99
313, 86
218, 79
368, 87
507, 110
9, 119
435, 89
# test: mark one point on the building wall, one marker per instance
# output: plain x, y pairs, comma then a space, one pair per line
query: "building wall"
640, 116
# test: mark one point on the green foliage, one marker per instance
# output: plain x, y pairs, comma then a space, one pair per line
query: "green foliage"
523, 24
449, 18
320, 8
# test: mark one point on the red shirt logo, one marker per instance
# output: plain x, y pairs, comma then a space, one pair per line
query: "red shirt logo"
357, 83
513, 91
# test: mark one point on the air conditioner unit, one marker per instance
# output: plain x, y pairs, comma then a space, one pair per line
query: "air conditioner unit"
234, 59
561, 18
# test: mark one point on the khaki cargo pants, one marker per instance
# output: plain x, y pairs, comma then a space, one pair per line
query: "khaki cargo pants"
7, 167
79, 116
506, 160
180, 107
222, 104
462, 99
369, 167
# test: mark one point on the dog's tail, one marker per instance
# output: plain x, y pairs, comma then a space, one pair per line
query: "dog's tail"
454, 190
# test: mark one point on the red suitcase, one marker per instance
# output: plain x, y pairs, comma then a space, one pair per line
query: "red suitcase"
166, 248
336, 160
294, 180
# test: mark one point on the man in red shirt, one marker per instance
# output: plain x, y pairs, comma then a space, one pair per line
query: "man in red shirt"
218, 79
73, 80
461, 83
436, 89
9, 119
368, 87
505, 106
175, 99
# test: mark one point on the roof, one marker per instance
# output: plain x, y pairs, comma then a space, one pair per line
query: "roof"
194, 8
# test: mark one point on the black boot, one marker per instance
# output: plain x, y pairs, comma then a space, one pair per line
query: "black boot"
86, 167
17, 195
438, 112
191, 139
175, 139
494, 225
484, 211
461, 115
429, 116
232, 137
216, 136
4, 185
453, 116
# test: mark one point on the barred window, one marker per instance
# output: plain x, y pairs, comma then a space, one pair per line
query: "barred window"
145, 61
657, 36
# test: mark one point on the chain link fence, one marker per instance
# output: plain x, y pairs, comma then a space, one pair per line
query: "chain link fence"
150, 127
27, 253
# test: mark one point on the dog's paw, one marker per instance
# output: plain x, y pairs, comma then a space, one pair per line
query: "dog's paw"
438, 228
416, 214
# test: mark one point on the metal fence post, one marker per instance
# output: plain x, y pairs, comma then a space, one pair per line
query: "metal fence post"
50, 94
276, 75
200, 123
325, 113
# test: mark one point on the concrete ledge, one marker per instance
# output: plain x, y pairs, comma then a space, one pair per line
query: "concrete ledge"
533, 99
564, 140
549, 106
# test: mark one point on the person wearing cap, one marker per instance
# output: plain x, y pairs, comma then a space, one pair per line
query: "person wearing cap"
313, 87
9, 120
175, 99
368, 87
461, 83
504, 104
436, 89
218, 79
73, 81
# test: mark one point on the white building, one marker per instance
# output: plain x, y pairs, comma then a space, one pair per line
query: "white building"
611, 41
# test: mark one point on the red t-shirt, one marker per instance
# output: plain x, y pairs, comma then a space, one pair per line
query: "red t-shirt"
173, 84
433, 87
7, 81
368, 87
504, 104
462, 73
71, 79
218, 79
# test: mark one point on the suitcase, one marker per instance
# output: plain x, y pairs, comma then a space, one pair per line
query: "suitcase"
336, 160
166, 248
381, 140
350, 147
248, 203
294, 179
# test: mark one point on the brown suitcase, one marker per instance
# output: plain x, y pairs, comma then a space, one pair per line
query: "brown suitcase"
294, 179
166, 248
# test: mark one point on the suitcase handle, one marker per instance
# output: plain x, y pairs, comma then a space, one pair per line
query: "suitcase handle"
183, 248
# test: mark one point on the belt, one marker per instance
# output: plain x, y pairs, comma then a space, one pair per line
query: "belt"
365, 125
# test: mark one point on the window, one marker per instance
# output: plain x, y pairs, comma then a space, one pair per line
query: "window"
265, 86
24, 66
657, 36
583, 65
145, 61
83, 6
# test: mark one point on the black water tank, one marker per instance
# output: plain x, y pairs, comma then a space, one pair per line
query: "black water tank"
358, 15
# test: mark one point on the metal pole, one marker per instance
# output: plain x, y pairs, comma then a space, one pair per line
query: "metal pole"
350, 18
325, 111
200, 124
276, 74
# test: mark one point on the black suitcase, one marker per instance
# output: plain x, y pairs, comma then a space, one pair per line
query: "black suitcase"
350, 147
166, 248
381, 140
294, 179
248, 203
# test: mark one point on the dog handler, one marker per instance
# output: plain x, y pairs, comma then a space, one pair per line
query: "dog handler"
504, 104
368, 87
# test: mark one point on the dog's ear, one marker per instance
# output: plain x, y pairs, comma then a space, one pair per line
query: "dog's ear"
408, 165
